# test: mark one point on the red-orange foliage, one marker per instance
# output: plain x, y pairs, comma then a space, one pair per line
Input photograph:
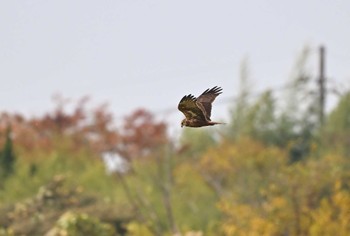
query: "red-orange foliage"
141, 134
79, 125
93, 129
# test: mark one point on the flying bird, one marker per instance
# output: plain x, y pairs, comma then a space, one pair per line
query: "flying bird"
198, 110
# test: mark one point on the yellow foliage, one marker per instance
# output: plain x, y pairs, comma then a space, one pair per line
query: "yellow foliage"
264, 195
6, 232
333, 215
243, 220
228, 160
74, 224
137, 229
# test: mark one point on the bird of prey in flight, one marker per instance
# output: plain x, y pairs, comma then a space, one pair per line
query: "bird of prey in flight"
198, 110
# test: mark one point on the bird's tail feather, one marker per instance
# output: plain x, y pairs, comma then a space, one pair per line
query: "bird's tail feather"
217, 123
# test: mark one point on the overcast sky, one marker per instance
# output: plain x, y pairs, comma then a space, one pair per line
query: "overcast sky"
149, 53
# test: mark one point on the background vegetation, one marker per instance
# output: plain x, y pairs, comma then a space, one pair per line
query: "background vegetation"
275, 169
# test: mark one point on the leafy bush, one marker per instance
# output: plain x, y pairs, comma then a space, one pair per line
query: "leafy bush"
73, 224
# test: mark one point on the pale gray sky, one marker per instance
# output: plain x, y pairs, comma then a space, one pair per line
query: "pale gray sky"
149, 53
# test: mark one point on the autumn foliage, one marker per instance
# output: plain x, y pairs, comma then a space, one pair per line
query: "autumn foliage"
269, 176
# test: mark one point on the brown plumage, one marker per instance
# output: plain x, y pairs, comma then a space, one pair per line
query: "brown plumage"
198, 110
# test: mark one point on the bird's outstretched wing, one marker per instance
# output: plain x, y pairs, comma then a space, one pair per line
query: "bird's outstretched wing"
188, 105
207, 98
